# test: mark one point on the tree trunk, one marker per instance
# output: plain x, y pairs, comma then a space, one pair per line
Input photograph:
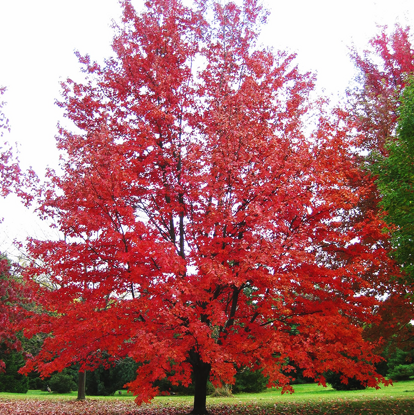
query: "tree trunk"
81, 385
201, 373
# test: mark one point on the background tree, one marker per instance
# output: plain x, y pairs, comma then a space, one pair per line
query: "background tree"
9, 168
395, 179
107, 380
249, 381
203, 229
12, 296
341, 383
10, 379
62, 383
384, 70
400, 365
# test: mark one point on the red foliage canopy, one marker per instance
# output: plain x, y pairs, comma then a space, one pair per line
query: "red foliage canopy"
9, 289
9, 170
14, 296
12, 179
384, 71
204, 227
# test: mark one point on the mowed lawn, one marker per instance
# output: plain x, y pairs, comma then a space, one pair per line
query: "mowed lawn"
307, 399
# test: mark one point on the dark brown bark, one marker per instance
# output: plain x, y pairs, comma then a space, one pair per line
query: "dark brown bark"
81, 386
201, 373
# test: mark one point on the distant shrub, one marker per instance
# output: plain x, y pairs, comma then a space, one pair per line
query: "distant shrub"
401, 364
166, 387
223, 392
106, 381
62, 383
334, 379
249, 381
296, 373
11, 380
401, 372
13, 384
37, 383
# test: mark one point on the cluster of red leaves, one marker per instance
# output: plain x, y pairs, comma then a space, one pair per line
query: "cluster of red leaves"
8, 297
384, 71
12, 179
4, 122
12, 294
9, 170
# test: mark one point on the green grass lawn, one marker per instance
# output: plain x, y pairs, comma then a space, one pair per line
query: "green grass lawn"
307, 399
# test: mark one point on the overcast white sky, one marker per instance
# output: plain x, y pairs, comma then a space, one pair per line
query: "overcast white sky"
38, 40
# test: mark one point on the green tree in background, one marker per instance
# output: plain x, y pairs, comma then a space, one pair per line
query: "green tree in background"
11, 380
401, 365
105, 381
395, 179
249, 381
336, 380
62, 383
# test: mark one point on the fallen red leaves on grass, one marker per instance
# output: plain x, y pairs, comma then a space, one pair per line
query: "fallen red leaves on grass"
88, 407
122, 407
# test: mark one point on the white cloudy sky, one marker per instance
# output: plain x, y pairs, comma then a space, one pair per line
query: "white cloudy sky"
38, 39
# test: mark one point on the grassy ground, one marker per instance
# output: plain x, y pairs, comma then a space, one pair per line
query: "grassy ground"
307, 399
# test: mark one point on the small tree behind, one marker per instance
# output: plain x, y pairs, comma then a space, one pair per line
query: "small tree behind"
105, 381
11, 380
10, 174
62, 383
394, 173
13, 295
384, 70
249, 381
401, 365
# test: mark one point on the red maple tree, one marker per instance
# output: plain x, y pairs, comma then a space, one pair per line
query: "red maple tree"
12, 293
14, 297
7, 173
12, 178
204, 226
384, 70
9, 169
